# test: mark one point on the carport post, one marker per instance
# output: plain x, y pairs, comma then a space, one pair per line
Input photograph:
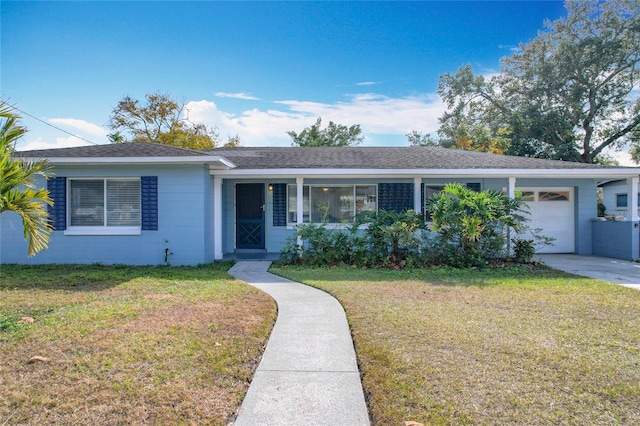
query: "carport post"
217, 218
300, 205
632, 191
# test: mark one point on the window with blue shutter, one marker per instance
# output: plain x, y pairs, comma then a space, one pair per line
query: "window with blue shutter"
279, 204
57, 187
149, 202
396, 197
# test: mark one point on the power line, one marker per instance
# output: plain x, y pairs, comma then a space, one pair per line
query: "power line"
51, 125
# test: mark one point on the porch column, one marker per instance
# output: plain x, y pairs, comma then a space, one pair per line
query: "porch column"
217, 217
299, 204
511, 189
417, 194
632, 198
511, 193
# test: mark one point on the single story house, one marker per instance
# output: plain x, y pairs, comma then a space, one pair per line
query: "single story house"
143, 203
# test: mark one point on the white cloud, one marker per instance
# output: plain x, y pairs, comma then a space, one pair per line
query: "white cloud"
40, 143
241, 95
384, 121
377, 115
80, 125
623, 157
367, 83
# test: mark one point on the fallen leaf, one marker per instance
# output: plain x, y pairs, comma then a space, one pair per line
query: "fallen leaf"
38, 358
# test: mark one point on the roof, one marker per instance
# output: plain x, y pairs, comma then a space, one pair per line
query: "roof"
383, 158
130, 152
115, 150
326, 160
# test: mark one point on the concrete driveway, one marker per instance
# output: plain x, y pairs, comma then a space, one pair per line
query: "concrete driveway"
603, 268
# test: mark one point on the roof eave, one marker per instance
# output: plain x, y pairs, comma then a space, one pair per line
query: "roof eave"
215, 161
485, 173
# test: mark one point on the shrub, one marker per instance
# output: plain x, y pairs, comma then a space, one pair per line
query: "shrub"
371, 239
523, 250
471, 224
468, 230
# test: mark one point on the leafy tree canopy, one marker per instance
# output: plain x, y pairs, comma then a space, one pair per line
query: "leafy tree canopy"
567, 94
160, 120
333, 135
416, 138
18, 190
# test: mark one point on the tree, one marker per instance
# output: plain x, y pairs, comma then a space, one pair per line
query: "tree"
333, 135
416, 138
116, 137
232, 142
569, 94
635, 151
18, 192
161, 120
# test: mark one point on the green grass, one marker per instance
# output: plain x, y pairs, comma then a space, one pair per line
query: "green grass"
497, 346
127, 345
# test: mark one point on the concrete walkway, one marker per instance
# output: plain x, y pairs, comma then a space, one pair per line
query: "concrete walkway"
308, 374
603, 268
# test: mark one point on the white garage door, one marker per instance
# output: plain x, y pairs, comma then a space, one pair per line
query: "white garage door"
552, 211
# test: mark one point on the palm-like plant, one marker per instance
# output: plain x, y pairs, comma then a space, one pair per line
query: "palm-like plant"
18, 192
469, 218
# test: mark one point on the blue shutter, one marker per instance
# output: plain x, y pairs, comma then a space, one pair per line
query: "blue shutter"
149, 202
57, 187
395, 196
279, 204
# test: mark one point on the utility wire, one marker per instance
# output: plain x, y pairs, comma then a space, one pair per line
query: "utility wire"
51, 125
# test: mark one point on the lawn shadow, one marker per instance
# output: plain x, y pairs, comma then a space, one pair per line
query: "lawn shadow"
436, 276
77, 277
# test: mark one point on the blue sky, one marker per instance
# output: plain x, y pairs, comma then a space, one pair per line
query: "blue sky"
256, 69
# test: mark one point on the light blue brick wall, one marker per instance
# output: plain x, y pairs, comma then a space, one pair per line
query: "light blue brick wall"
185, 205
585, 198
183, 192
616, 239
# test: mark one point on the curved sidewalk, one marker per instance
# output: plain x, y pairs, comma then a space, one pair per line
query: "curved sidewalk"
308, 374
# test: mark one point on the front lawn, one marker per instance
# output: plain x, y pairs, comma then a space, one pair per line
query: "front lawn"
127, 345
498, 346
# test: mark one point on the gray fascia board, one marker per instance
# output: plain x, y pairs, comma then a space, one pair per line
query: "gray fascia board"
398, 173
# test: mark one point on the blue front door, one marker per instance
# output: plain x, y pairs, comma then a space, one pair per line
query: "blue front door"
250, 208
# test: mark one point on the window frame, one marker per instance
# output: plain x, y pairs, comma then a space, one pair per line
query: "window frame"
308, 213
626, 197
425, 214
103, 229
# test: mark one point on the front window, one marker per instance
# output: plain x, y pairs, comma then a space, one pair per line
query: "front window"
431, 191
104, 203
332, 203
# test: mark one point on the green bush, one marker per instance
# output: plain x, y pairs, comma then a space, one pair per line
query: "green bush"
523, 250
468, 229
471, 224
370, 240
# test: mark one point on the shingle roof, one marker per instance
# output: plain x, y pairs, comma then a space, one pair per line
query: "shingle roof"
382, 158
116, 150
319, 157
